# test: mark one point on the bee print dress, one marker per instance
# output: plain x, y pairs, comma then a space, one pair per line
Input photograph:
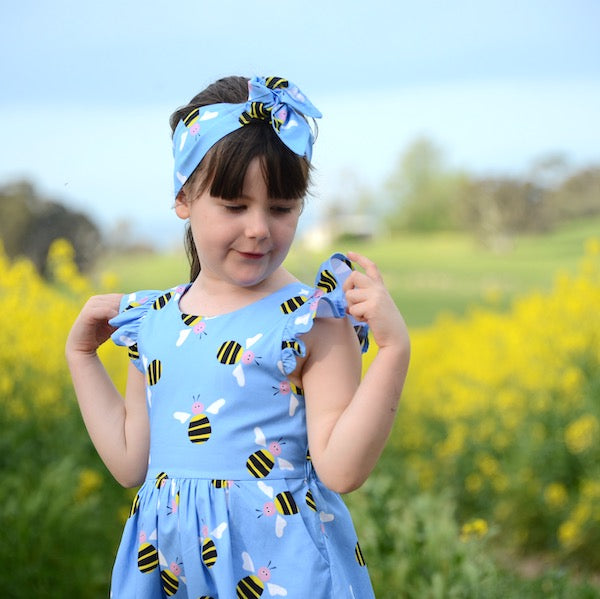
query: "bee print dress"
231, 506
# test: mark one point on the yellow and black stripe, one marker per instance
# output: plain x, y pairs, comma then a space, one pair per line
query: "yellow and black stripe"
133, 352
257, 111
249, 587
147, 558
154, 372
286, 504
230, 352
327, 282
218, 483
296, 390
292, 304
310, 501
170, 582
190, 319
161, 478
209, 552
135, 505
161, 301
260, 463
290, 343
192, 117
358, 554
199, 428
276, 82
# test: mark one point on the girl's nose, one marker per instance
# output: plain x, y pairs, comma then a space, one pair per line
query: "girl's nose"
257, 225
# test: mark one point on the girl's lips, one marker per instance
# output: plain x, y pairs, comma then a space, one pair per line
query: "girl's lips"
251, 256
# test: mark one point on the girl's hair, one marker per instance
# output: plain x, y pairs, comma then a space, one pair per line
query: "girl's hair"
223, 169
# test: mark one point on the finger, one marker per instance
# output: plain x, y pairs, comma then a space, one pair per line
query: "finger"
357, 279
368, 265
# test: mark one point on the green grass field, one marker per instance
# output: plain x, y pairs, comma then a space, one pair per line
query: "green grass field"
427, 275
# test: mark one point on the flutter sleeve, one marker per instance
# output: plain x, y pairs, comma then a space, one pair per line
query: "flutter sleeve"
132, 311
325, 300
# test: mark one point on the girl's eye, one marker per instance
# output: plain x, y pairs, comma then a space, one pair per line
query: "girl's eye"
234, 207
281, 209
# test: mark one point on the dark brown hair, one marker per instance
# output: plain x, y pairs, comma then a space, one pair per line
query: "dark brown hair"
223, 169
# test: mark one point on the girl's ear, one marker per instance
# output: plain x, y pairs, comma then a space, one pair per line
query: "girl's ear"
182, 208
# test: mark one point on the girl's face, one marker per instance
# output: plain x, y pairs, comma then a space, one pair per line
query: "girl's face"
241, 241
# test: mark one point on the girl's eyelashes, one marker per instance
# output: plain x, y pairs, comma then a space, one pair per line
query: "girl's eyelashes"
277, 209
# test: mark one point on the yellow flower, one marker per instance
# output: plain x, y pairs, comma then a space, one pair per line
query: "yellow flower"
555, 495
89, 482
582, 433
568, 533
474, 529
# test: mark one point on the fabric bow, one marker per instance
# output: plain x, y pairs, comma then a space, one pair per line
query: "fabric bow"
271, 99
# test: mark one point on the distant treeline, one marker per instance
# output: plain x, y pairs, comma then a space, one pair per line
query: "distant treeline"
424, 195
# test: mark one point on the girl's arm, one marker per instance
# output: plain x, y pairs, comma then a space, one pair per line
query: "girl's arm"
349, 420
118, 428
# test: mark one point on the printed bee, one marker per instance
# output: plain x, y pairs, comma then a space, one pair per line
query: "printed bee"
153, 372
261, 462
219, 483
291, 344
323, 516
231, 352
161, 301
191, 121
199, 428
292, 304
288, 388
276, 82
257, 111
283, 504
193, 323
327, 282
358, 554
170, 575
253, 586
161, 480
209, 549
147, 553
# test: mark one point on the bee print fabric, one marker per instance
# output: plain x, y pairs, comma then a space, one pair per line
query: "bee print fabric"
231, 506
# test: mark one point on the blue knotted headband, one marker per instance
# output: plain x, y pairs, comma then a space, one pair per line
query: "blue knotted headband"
271, 99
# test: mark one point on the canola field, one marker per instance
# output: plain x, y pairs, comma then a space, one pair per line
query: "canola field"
495, 454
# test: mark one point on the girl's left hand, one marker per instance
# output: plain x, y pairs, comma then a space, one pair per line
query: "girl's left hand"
369, 301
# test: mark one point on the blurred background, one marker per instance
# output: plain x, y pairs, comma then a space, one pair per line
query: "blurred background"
458, 148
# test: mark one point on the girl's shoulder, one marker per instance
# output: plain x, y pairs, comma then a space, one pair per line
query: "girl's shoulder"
325, 300
135, 307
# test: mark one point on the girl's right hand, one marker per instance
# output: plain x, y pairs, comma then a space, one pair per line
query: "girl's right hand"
91, 329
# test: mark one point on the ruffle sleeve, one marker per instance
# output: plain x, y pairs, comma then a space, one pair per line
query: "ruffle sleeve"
132, 311
327, 300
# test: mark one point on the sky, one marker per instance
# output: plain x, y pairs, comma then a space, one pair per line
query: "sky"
87, 89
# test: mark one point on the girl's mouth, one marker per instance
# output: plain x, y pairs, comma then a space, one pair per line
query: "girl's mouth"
251, 255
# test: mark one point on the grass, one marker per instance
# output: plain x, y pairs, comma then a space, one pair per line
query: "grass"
428, 275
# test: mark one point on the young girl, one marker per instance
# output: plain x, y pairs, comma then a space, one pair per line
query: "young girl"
244, 415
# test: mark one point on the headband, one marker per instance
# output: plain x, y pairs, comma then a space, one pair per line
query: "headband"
270, 99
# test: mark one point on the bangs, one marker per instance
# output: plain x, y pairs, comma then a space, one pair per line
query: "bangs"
223, 169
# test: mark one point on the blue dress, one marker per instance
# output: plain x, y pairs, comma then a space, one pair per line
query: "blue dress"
231, 505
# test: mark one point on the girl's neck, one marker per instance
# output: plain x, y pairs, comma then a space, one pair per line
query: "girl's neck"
210, 297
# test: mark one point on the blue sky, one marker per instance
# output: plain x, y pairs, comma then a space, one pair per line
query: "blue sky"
88, 88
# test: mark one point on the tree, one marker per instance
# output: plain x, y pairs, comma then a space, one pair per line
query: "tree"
423, 192
29, 224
